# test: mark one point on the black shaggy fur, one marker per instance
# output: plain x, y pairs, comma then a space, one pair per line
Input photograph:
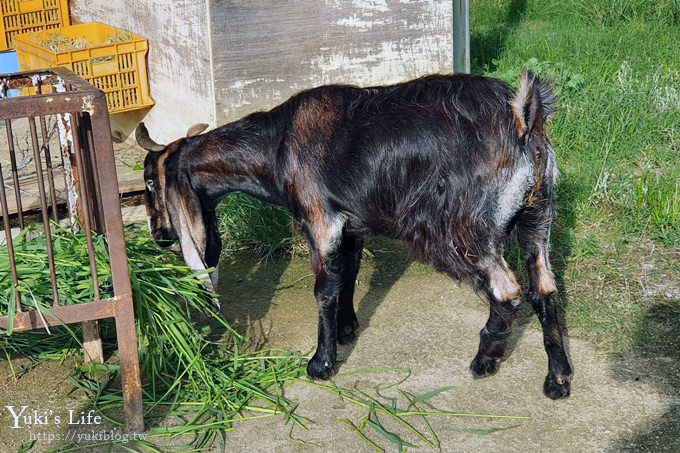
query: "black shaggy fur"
449, 164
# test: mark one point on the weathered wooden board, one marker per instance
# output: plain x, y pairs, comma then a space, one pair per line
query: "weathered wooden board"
264, 51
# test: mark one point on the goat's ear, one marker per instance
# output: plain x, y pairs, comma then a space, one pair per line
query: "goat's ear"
143, 139
533, 104
196, 129
186, 215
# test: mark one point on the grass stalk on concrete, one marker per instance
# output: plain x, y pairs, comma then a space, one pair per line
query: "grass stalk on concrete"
380, 407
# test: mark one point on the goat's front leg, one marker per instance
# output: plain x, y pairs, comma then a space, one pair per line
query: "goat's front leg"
350, 248
326, 291
328, 264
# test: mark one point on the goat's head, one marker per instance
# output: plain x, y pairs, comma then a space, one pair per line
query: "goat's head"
162, 182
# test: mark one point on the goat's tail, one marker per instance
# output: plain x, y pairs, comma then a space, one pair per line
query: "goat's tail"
532, 106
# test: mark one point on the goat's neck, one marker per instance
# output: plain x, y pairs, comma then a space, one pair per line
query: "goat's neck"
237, 160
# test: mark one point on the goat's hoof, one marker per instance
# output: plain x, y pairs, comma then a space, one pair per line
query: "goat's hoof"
483, 366
347, 332
557, 386
320, 368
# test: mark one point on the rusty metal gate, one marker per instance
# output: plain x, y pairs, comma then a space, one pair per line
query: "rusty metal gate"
91, 189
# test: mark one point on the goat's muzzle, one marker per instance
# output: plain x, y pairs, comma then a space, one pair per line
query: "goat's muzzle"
164, 237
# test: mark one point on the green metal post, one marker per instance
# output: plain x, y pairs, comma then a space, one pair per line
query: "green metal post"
461, 36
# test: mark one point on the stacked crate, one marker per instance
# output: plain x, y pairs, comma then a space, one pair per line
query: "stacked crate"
118, 67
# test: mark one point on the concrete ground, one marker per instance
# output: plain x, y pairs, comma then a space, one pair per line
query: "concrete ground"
412, 317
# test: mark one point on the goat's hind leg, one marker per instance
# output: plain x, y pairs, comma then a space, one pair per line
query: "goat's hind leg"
350, 249
502, 291
533, 240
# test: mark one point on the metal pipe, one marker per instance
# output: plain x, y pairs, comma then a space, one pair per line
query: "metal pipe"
125, 313
10, 245
48, 159
15, 172
98, 210
84, 196
461, 36
43, 205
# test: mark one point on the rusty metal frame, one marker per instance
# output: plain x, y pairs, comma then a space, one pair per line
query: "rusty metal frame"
85, 107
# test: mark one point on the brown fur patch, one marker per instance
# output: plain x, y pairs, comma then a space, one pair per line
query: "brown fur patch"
157, 211
502, 282
556, 334
161, 194
315, 120
546, 280
503, 161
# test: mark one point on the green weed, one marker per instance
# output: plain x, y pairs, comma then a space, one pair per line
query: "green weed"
246, 222
613, 12
658, 199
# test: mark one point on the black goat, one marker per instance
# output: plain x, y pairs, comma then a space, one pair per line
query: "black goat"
450, 164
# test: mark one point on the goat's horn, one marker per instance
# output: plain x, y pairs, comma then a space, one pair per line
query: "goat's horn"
196, 129
143, 139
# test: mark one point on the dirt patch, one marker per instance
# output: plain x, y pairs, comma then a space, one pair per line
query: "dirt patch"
48, 407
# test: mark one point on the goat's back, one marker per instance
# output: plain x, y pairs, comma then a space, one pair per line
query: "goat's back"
424, 161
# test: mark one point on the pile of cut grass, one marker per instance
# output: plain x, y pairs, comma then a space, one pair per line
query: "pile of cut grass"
204, 386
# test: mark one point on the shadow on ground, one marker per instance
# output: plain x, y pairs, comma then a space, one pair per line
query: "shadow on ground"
389, 261
654, 360
249, 286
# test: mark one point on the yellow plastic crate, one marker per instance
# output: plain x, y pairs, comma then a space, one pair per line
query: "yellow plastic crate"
118, 69
27, 16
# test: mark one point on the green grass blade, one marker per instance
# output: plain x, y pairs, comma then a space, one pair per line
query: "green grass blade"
429, 395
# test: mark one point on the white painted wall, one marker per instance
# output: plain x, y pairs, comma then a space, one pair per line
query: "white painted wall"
178, 62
